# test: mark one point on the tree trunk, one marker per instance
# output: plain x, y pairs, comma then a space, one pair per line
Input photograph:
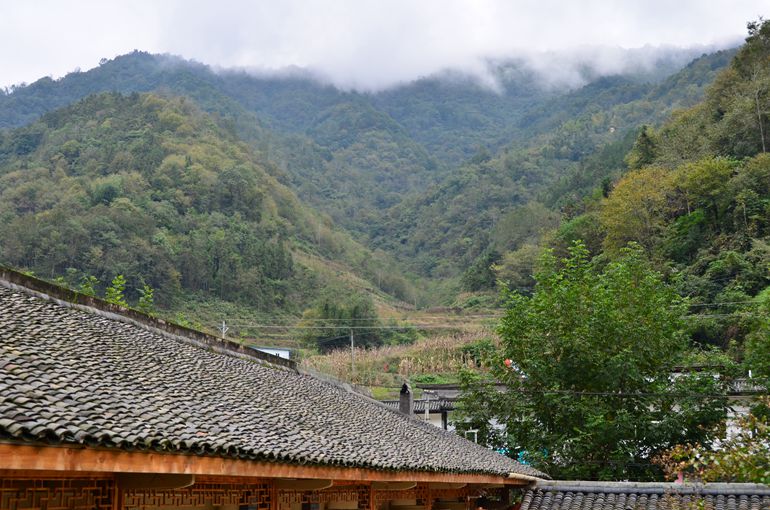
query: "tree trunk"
759, 119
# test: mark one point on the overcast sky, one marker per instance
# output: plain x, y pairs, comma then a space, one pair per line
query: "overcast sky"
361, 43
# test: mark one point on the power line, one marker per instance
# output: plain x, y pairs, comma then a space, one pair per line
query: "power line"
725, 315
453, 318
409, 326
726, 303
327, 340
624, 395
683, 396
422, 317
449, 325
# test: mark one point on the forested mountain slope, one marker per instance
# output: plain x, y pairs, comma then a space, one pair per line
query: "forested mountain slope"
586, 135
348, 151
156, 190
429, 172
696, 198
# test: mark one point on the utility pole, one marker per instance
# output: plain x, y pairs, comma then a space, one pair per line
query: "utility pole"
426, 394
352, 356
224, 329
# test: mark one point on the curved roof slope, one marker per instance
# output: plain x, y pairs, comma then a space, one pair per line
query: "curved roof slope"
80, 376
579, 495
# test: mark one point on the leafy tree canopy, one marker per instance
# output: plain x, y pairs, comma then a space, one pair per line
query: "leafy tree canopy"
744, 457
328, 324
589, 360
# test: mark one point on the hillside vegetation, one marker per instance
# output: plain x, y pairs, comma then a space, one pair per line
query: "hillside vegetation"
696, 198
259, 196
405, 169
156, 190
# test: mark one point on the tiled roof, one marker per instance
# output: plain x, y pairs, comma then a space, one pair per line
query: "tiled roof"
567, 495
77, 375
434, 406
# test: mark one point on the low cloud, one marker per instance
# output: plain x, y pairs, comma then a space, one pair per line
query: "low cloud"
363, 44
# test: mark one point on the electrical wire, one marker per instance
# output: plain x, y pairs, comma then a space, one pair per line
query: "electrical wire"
343, 325
675, 396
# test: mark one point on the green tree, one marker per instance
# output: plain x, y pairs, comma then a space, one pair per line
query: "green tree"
704, 184
114, 293
588, 366
635, 210
88, 285
146, 300
328, 324
744, 457
757, 346
644, 150
481, 275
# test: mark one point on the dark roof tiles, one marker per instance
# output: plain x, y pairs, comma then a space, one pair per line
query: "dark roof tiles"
569, 495
75, 376
434, 406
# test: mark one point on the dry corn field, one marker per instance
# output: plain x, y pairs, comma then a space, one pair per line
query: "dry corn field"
389, 365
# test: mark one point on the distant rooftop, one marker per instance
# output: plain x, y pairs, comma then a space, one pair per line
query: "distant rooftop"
434, 405
580, 495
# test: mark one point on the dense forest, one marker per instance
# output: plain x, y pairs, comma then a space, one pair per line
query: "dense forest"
154, 189
695, 197
404, 169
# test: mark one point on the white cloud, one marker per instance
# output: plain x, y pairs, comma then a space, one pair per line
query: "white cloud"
359, 43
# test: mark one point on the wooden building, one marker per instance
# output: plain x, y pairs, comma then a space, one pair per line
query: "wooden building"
103, 408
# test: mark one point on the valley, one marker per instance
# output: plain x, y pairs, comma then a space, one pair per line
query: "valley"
265, 201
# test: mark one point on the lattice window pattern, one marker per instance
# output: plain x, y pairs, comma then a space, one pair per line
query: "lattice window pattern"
359, 494
420, 493
72, 494
252, 496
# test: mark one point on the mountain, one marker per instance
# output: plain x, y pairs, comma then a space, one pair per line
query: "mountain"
424, 172
585, 136
695, 195
157, 190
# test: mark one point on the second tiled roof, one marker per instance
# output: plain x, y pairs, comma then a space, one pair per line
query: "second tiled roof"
577, 495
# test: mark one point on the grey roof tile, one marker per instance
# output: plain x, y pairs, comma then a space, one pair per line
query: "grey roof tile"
71, 375
577, 495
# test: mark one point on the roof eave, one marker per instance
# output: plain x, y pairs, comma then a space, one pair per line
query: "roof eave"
19, 457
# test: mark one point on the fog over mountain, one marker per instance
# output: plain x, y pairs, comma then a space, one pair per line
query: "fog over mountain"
370, 45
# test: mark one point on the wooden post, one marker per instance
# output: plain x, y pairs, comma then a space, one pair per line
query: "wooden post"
118, 502
370, 503
273, 496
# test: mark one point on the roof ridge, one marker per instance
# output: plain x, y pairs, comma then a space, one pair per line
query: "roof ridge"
73, 299
651, 487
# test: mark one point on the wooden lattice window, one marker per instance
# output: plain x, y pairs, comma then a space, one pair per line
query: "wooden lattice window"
350, 493
254, 496
53, 494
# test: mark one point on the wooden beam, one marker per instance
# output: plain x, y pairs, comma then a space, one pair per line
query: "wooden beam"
154, 481
273, 497
440, 485
393, 486
302, 484
117, 498
75, 460
53, 475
